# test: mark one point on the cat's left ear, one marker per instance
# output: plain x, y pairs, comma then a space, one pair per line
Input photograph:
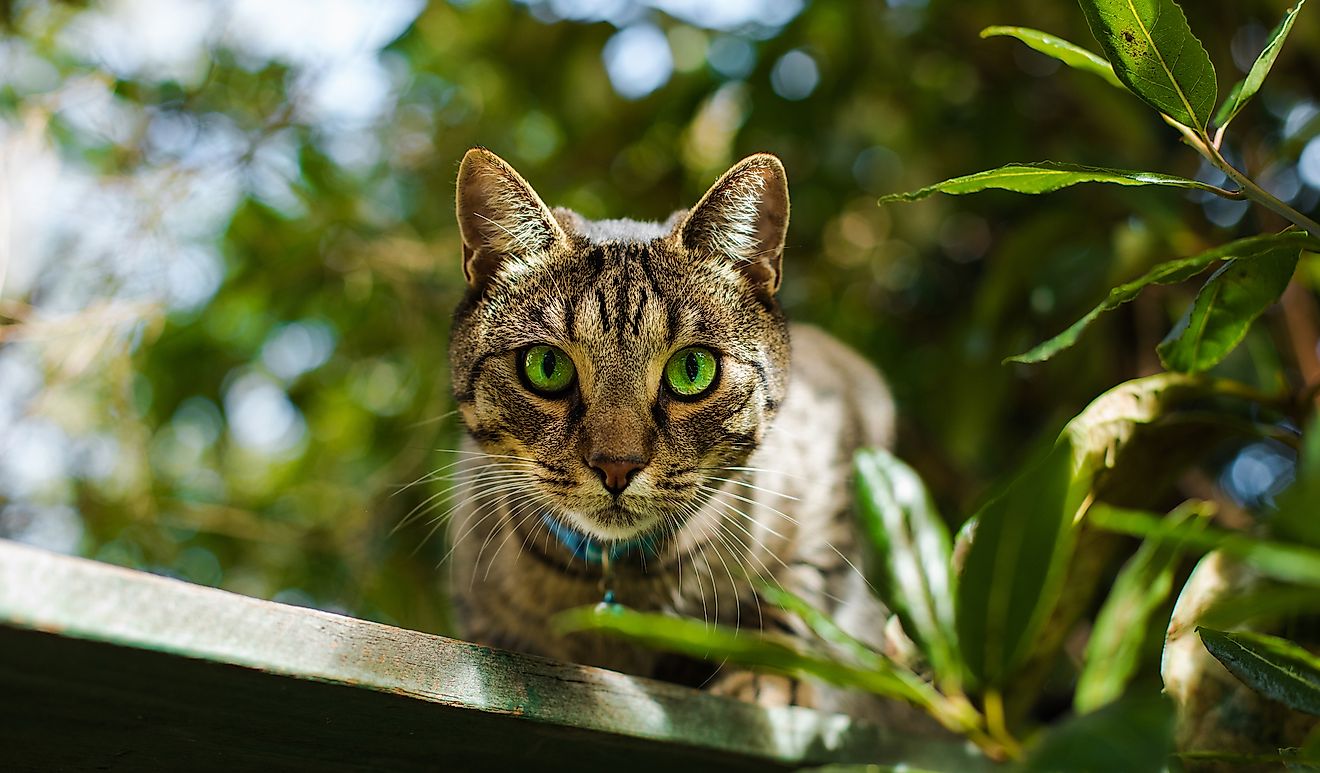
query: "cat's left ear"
743, 219
501, 218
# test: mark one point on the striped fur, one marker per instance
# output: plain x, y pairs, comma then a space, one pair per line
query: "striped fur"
749, 481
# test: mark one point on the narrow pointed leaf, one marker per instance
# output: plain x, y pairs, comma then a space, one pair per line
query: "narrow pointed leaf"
1170, 272
1070, 54
1245, 89
1046, 177
1133, 735
743, 647
1273, 667
1155, 55
912, 549
1115, 647
1225, 308
821, 625
1013, 572
1279, 560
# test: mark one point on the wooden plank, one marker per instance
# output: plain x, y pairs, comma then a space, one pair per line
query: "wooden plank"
106, 667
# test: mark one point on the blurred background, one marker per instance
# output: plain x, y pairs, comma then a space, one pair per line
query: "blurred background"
228, 255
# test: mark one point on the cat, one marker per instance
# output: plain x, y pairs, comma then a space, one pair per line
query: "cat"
633, 395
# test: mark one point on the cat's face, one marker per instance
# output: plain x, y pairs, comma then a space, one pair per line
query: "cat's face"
613, 371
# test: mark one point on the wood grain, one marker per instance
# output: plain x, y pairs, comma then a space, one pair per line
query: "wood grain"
108, 668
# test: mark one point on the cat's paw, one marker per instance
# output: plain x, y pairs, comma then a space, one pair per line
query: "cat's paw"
769, 690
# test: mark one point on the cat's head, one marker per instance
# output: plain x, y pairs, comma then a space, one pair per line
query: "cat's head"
613, 369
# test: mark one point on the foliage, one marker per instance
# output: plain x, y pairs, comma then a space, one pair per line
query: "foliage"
1273, 666
1010, 588
232, 255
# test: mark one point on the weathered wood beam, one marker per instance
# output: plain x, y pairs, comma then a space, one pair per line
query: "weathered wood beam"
105, 667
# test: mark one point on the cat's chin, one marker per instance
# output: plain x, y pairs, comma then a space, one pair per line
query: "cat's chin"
613, 523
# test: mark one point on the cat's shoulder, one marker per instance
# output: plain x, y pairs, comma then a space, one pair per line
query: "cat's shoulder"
827, 369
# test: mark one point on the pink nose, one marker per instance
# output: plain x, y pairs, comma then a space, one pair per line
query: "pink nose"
616, 473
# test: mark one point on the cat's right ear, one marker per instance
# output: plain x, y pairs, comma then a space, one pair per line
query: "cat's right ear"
500, 217
743, 220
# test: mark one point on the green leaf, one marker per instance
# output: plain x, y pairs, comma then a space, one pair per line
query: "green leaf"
1114, 650
1281, 561
1155, 55
1170, 272
913, 550
1046, 177
1070, 54
756, 649
1273, 667
1134, 734
829, 631
1224, 309
1245, 89
1013, 572
1134, 441
1103, 429
1298, 519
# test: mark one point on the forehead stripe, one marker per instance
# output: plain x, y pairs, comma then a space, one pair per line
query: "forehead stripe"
604, 312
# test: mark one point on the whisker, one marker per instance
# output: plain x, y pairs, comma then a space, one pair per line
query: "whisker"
506, 492
526, 508
433, 420
754, 469
790, 518
753, 487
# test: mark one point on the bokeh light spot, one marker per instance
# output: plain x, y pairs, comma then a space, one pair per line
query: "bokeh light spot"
638, 60
795, 75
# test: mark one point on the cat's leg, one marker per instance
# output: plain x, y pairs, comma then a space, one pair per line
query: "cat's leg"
769, 690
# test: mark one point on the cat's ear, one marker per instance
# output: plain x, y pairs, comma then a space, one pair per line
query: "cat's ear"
500, 217
743, 218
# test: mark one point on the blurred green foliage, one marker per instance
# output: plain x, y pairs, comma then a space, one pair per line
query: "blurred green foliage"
233, 254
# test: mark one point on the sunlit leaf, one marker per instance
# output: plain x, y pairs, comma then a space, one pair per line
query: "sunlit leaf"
1101, 433
1245, 89
1155, 55
824, 627
1114, 649
1282, 561
1133, 735
1046, 177
1170, 272
1273, 667
1070, 54
1224, 309
912, 550
1011, 579
748, 648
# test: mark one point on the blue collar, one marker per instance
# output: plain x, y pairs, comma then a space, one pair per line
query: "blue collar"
592, 550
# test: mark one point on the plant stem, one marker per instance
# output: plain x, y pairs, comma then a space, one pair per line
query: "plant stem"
994, 723
1265, 198
1246, 185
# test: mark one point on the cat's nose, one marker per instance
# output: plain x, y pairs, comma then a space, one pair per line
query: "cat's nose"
615, 472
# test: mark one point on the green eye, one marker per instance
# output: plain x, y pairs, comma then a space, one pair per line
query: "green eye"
690, 371
547, 369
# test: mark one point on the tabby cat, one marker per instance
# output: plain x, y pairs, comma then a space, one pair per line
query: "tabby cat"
635, 398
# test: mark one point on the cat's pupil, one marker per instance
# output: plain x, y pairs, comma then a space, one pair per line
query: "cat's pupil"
548, 364
693, 366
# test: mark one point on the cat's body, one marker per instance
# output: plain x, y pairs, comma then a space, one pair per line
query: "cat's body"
698, 494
